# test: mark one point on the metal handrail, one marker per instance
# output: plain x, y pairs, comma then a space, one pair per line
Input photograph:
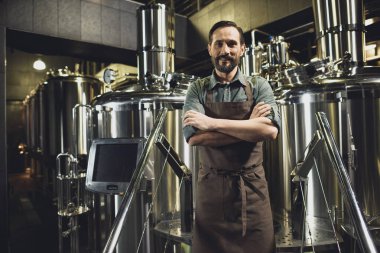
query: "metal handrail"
365, 240
178, 166
133, 186
185, 176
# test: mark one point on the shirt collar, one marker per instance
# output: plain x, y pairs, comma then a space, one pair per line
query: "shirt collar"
238, 77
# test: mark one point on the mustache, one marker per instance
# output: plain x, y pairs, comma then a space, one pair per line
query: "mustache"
224, 57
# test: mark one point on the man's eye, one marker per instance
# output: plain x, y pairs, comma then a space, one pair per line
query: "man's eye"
232, 44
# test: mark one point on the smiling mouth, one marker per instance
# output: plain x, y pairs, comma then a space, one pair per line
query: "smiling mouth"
224, 60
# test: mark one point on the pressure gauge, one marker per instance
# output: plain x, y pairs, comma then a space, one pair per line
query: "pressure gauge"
109, 76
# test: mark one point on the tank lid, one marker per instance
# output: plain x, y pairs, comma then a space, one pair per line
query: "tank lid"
154, 7
136, 97
59, 72
366, 74
67, 74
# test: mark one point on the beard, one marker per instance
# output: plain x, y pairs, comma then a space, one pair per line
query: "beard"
225, 68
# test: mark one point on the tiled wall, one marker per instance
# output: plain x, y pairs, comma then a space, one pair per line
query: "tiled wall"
107, 22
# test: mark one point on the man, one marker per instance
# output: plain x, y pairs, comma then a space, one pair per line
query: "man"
228, 115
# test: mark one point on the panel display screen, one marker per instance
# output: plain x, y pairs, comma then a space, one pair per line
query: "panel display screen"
111, 164
115, 162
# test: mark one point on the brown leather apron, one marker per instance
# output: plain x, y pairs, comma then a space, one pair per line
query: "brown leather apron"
233, 213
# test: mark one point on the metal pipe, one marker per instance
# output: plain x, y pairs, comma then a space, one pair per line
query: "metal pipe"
155, 41
82, 132
339, 28
365, 241
133, 186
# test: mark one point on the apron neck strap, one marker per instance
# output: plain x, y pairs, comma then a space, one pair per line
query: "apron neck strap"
247, 89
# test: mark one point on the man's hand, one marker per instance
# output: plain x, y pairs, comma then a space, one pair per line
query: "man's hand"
260, 110
198, 120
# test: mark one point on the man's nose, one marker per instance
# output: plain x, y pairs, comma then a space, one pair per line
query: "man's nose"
225, 49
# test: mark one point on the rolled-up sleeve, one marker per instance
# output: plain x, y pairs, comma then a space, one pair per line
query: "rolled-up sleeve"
193, 101
265, 94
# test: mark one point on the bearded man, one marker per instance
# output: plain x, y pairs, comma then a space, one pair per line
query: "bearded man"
227, 116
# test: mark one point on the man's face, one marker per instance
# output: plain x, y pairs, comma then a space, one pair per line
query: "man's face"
225, 49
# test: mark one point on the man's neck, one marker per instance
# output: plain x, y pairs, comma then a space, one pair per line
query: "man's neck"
225, 77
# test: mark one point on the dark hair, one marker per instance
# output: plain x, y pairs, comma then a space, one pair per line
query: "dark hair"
225, 23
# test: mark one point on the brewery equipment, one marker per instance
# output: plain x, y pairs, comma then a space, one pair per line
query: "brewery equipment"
58, 145
251, 61
268, 60
34, 119
324, 142
297, 108
128, 112
348, 94
61, 91
155, 41
277, 52
131, 115
32, 132
352, 107
64, 90
339, 29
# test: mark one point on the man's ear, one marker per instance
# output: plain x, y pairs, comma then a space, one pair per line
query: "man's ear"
242, 50
209, 48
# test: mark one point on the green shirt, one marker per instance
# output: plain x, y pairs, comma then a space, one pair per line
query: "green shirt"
229, 92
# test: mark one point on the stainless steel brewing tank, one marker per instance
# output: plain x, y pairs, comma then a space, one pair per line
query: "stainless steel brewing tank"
33, 121
27, 121
298, 106
352, 105
131, 114
155, 40
63, 90
42, 122
363, 109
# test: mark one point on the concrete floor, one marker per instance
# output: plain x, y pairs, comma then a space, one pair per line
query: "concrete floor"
32, 216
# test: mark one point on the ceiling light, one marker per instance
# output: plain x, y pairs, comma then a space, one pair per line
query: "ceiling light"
39, 65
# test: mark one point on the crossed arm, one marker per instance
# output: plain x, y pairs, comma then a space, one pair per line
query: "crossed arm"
219, 132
